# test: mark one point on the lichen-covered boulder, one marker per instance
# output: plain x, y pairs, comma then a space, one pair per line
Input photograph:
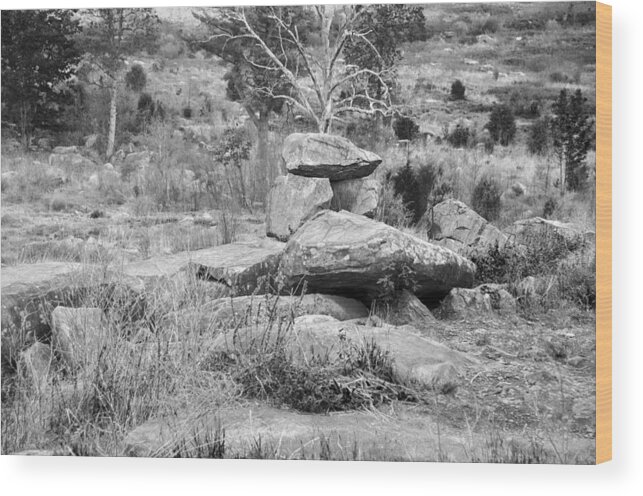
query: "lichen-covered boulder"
292, 200
461, 229
326, 155
351, 255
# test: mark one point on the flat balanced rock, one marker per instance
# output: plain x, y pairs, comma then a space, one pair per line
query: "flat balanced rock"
325, 155
348, 254
292, 200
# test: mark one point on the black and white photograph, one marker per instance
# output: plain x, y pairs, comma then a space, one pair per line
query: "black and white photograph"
349, 232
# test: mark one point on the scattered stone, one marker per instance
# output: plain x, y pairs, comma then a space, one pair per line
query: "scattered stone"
307, 320
525, 232
248, 310
328, 156
137, 160
413, 436
292, 200
463, 303
7, 178
65, 150
44, 143
35, 363
91, 140
414, 356
456, 226
483, 299
407, 309
70, 160
348, 254
577, 361
501, 300
517, 190
359, 196
531, 287
78, 334
486, 39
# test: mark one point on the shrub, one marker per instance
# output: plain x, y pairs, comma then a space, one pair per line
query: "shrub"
559, 77
538, 139
187, 112
416, 187
486, 198
457, 90
549, 208
460, 137
405, 128
569, 265
145, 111
391, 209
135, 78
502, 125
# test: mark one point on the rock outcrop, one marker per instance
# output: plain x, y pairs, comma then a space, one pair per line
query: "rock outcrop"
359, 196
240, 266
327, 156
292, 200
348, 254
461, 229
30, 290
413, 436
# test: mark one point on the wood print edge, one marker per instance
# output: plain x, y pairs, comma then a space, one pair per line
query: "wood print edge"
603, 232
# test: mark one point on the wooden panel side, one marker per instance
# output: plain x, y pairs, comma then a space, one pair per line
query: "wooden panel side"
603, 232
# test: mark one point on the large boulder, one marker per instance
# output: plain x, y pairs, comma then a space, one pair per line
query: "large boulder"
350, 255
329, 156
414, 356
359, 196
240, 266
292, 200
78, 334
537, 229
411, 435
29, 292
461, 229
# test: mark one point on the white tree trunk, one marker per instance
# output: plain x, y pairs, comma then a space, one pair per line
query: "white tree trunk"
112, 123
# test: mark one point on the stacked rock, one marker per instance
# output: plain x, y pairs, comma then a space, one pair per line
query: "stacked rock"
322, 170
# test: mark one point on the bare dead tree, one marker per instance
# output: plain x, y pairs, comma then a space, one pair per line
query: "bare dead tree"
321, 86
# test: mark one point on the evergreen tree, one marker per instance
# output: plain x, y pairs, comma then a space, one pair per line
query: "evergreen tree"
572, 138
